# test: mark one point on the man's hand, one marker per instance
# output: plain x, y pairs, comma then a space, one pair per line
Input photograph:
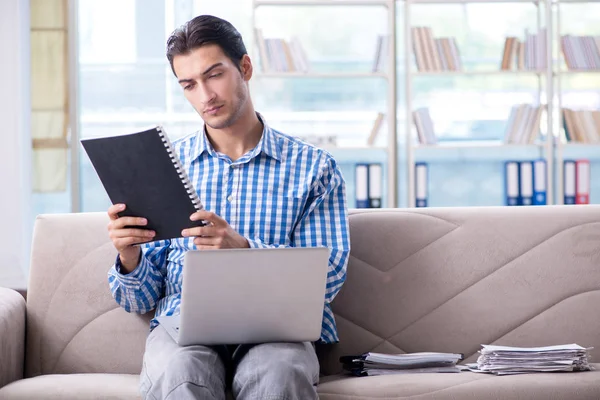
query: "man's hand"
217, 235
124, 238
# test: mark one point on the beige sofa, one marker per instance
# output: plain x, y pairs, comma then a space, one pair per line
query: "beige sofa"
418, 280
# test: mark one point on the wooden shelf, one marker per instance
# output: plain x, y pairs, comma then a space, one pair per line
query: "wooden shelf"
475, 144
321, 75
579, 71
475, 73
472, 1
574, 1
579, 144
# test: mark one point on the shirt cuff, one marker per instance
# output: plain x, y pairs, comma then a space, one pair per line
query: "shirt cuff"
135, 278
257, 244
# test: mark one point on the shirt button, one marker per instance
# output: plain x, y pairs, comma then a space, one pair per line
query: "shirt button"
229, 198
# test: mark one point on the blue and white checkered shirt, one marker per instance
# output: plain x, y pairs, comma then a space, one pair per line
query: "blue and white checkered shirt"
284, 192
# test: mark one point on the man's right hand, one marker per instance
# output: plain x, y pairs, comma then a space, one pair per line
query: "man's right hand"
124, 235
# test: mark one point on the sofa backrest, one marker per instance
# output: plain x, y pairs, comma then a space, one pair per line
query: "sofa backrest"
418, 280
451, 279
73, 323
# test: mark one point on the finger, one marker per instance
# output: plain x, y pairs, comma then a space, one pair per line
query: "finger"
123, 233
129, 241
207, 216
129, 221
208, 241
206, 247
206, 231
114, 210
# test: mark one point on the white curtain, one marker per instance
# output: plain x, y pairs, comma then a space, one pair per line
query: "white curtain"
49, 94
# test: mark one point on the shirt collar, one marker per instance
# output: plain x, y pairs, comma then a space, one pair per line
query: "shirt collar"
268, 143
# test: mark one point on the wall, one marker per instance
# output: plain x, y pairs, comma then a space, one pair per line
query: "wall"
15, 148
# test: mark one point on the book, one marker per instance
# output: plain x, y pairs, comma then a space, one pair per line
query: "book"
142, 171
370, 364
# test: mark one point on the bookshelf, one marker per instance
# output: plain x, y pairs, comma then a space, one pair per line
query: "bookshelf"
547, 79
417, 68
298, 66
578, 62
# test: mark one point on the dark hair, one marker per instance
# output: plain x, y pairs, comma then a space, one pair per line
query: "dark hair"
204, 30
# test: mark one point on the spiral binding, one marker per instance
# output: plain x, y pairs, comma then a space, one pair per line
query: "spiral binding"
179, 168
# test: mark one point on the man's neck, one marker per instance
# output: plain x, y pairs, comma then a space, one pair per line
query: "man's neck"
239, 138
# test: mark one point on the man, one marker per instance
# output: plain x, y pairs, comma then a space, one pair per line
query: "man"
260, 188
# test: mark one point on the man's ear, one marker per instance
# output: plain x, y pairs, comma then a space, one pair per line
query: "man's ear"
246, 67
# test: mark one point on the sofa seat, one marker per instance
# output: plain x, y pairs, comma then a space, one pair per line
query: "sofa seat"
464, 385
74, 386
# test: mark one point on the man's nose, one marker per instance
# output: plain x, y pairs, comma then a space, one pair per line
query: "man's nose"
205, 94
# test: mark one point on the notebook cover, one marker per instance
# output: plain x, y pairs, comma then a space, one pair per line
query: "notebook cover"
137, 170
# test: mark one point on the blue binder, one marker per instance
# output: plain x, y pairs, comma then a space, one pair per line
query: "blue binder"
569, 182
361, 185
421, 184
540, 174
526, 183
511, 183
375, 181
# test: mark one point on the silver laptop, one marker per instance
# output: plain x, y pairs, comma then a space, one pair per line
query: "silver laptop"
237, 296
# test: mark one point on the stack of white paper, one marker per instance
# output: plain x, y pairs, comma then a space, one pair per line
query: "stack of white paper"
382, 364
503, 360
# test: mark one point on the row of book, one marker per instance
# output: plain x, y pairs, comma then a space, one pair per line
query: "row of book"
442, 54
368, 183
526, 182
528, 54
581, 126
577, 181
581, 52
434, 54
523, 124
280, 55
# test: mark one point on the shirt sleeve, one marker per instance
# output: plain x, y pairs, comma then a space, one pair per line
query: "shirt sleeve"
324, 224
140, 290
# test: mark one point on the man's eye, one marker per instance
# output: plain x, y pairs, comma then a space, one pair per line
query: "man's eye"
188, 87
215, 75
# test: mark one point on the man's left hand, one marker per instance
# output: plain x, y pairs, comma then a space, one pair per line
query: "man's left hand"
217, 235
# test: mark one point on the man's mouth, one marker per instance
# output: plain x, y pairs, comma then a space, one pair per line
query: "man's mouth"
212, 110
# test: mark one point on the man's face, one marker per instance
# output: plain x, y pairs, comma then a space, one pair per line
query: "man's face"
213, 85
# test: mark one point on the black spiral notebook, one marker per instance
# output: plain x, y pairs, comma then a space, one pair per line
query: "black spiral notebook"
142, 171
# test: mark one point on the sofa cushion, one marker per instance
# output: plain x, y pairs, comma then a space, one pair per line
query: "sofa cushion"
75, 386
452, 279
464, 385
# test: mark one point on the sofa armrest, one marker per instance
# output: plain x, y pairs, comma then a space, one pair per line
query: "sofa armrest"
12, 335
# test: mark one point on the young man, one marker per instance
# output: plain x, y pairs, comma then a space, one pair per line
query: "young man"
260, 188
